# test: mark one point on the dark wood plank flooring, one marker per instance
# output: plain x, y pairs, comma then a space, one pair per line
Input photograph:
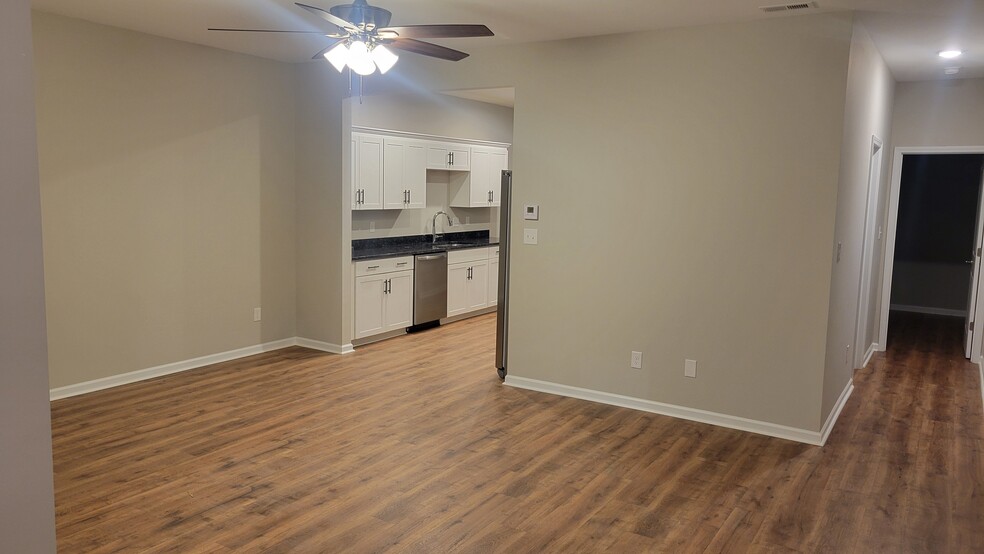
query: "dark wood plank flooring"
413, 445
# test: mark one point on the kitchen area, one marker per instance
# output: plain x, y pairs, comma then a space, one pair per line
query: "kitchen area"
426, 194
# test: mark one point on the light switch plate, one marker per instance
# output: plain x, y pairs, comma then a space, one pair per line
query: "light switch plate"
690, 368
529, 236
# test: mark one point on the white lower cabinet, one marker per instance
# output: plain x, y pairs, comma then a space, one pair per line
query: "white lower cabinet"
383, 296
473, 277
494, 280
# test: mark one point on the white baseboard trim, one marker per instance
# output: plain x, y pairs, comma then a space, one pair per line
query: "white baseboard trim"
871, 352
828, 425
980, 366
692, 414
166, 369
324, 346
928, 310
194, 363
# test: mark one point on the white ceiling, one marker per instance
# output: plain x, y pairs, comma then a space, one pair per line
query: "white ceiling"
909, 33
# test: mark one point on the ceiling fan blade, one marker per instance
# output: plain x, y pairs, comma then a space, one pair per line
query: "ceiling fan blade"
427, 49
267, 31
336, 21
439, 31
325, 49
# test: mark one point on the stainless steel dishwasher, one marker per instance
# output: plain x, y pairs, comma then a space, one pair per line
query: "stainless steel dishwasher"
430, 289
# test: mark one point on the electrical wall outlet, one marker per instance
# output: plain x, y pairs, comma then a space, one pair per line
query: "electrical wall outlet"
690, 368
256, 314
636, 361
529, 236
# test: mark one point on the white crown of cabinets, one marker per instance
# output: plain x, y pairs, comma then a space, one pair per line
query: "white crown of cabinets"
389, 171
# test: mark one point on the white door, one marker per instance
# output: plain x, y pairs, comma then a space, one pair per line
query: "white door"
481, 188
460, 158
438, 155
975, 274
398, 303
394, 188
493, 281
478, 285
369, 305
370, 174
458, 288
415, 174
498, 162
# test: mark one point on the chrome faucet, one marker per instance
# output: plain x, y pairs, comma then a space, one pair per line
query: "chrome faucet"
434, 224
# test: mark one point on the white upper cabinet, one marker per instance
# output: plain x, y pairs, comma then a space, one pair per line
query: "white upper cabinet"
480, 188
389, 171
449, 156
367, 172
404, 173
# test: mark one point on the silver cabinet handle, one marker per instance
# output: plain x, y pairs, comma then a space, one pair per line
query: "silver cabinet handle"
401, 263
452, 157
373, 267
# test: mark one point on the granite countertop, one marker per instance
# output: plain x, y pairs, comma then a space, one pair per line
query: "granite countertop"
390, 247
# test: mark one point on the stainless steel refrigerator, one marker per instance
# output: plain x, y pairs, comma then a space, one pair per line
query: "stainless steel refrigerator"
502, 311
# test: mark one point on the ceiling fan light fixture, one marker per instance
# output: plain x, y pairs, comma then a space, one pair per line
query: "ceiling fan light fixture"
950, 54
359, 58
385, 59
338, 56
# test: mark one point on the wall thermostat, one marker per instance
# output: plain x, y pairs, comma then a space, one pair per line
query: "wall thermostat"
531, 212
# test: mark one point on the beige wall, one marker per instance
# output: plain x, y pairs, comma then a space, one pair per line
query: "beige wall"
27, 506
939, 113
167, 179
435, 114
868, 112
324, 235
688, 196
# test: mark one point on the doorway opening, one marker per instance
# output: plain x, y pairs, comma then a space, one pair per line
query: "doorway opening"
933, 257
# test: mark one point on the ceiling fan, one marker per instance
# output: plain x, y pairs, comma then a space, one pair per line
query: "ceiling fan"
362, 35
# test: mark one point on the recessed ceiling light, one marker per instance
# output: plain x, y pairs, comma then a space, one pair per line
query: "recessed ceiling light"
951, 70
950, 54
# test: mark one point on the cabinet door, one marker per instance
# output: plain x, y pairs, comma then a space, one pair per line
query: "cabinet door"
438, 155
394, 191
415, 174
458, 288
398, 302
480, 186
369, 305
354, 168
460, 157
478, 286
370, 174
493, 281
498, 161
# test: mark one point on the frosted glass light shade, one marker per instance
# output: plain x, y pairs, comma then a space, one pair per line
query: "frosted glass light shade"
360, 60
338, 56
384, 58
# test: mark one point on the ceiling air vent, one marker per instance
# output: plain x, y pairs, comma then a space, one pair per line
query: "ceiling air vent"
789, 7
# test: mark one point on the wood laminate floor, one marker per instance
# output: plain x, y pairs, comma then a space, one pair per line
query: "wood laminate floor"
413, 445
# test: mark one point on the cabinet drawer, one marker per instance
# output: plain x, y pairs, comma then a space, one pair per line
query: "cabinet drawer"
493, 252
469, 255
385, 265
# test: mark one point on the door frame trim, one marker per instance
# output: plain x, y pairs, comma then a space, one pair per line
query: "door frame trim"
869, 241
892, 227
